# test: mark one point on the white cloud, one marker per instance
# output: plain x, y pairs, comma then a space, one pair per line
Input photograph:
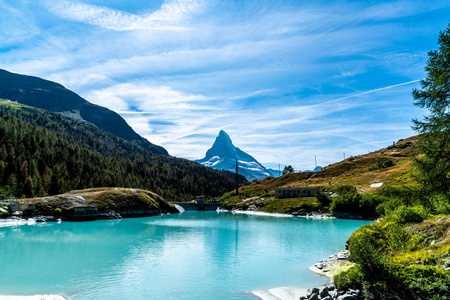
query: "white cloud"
169, 17
286, 79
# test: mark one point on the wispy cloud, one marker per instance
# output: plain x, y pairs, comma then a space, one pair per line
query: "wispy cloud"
169, 17
286, 79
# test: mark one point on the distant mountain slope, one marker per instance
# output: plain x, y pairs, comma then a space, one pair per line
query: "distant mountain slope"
48, 95
388, 166
44, 153
223, 154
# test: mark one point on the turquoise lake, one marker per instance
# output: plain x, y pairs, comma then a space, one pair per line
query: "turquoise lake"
193, 255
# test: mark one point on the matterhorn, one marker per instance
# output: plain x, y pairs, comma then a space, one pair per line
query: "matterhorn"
223, 155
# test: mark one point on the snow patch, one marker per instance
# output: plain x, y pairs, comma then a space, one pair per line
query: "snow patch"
376, 185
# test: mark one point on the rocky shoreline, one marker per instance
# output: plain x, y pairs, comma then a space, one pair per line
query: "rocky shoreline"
333, 264
329, 267
329, 292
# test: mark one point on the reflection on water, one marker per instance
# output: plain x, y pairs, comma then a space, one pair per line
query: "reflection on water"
194, 255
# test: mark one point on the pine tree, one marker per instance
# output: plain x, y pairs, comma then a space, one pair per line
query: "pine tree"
434, 167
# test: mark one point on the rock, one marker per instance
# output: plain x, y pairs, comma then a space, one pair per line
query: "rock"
354, 292
312, 291
303, 298
343, 254
347, 297
330, 286
314, 296
327, 298
333, 294
323, 292
319, 266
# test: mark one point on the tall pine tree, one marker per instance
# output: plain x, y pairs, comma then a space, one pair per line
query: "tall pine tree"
434, 95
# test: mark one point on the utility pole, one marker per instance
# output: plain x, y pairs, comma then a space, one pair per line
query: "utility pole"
237, 178
279, 170
315, 162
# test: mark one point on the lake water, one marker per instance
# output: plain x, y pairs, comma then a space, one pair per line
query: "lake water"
193, 255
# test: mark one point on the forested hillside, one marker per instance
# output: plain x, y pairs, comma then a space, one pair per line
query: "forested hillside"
52, 96
44, 153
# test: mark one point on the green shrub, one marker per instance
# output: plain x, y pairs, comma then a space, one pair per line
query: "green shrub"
403, 146
406, 195
380, 164
427, 282
369, 203
352, 278
347, 201
406, 214
226, 196
322, 198
440, 204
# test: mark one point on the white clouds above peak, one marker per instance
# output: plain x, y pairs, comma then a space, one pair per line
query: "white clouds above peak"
287, 79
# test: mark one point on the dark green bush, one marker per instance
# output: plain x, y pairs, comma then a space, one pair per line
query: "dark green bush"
406, 214
369, 203
322, 198
352, 278
347, 201
427, 282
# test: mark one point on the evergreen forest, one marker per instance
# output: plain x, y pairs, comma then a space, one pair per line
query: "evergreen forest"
44, 153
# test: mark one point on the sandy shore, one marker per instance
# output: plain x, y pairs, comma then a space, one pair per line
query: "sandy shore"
281, 293
35, 297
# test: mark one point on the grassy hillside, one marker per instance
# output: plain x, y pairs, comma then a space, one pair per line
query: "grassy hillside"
392, 166
44, 153
359, 171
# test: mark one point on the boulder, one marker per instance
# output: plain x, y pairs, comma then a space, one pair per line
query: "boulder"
348, 297
314, 296
312, 291
323, 292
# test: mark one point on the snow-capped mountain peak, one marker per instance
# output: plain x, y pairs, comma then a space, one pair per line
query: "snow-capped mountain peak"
223, 155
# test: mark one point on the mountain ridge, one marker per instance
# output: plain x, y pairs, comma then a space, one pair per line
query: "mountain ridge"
40, 93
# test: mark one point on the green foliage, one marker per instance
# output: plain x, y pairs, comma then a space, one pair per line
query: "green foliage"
5, 190
369, 203
43, 153
288, 169
380, 164
405, 145
440, 204
347, 201
427, 282
392, 260
322, 198
291, 205
352, 278
434, 167
406, 214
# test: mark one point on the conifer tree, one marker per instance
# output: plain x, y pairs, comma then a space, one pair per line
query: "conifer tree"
434, 95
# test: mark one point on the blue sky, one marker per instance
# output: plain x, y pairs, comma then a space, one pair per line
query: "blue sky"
287, 80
